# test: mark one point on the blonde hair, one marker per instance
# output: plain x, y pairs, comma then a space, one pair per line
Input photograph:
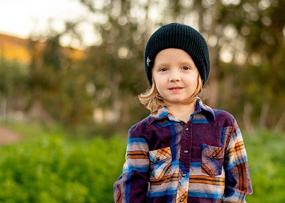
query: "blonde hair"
153, 101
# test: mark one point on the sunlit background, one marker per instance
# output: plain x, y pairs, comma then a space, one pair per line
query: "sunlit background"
71, 70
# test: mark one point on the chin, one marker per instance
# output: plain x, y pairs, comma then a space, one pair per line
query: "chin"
176, 101
179, 101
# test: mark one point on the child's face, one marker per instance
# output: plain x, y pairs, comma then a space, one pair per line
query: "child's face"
175, 75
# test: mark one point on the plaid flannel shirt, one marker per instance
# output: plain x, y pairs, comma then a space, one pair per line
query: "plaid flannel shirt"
167, 160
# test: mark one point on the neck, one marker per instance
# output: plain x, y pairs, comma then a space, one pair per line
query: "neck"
182, 111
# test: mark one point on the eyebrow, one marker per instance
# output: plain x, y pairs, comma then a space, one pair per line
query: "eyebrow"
182, 63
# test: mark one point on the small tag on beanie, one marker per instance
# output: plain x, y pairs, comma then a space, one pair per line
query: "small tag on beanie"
148, 61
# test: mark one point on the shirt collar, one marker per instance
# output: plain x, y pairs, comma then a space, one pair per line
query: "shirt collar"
200, 108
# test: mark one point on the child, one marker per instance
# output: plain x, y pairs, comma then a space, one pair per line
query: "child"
184, 151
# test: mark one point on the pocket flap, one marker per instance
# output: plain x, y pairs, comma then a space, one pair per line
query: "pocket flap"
212, 151
160, 154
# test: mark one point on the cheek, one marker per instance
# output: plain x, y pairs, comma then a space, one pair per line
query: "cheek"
191, 79
159, 80
159, 85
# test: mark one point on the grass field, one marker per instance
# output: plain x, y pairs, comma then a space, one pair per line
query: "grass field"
53, 166
266, 152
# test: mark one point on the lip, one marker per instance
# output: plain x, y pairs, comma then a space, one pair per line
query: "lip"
175, 88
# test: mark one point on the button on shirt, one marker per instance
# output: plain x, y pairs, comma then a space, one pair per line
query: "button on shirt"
167, 160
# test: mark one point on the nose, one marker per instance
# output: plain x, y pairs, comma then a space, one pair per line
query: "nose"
174, 76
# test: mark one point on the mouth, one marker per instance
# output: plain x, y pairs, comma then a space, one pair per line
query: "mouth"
175, 88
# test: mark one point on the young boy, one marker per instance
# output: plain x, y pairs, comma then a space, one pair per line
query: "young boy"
184, 151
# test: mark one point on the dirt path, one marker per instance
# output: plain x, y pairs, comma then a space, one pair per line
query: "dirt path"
8, 136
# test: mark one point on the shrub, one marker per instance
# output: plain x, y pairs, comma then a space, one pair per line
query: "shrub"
55, 169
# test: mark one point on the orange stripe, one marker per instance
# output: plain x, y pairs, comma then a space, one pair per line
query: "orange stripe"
242, 177
239, 144
207, 178
139, 156
136, 152
196, 179
237, 147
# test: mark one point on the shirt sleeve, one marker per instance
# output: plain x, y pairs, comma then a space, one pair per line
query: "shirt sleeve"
132, 185
238, 182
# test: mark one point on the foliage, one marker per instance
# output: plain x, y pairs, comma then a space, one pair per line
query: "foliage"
267, 166
51, 165
13, 75
259, 27
247, 82
58, 84
55, 169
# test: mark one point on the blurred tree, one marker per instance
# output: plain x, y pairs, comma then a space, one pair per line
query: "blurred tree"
52, 53
246, 42
117, 61
260, 26
12, 87
58, 85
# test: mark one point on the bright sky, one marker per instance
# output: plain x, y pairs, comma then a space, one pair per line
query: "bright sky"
23, 17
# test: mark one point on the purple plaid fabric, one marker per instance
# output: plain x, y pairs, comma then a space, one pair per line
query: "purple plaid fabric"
168, 160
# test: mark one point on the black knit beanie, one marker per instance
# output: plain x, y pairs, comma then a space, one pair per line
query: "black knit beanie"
175, 35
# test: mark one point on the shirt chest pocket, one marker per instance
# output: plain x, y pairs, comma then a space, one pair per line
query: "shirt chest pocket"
160, 163
212, 160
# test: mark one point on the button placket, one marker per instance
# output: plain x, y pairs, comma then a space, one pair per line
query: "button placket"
185, 147
185, 157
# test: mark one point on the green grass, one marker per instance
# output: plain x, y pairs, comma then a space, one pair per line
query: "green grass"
50, 165
266, 152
